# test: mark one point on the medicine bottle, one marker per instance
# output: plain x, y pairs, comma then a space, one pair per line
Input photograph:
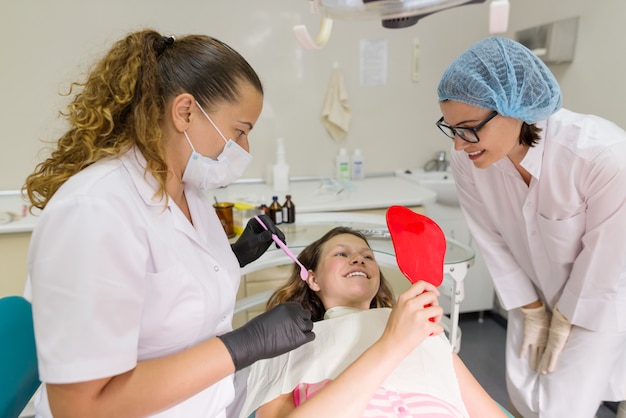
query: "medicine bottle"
276, 211
263, 210
289, 210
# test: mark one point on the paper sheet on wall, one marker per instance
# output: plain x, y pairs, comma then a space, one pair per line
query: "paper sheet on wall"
373, 56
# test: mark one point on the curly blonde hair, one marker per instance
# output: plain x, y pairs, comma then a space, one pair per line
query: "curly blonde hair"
297, 290
122, 103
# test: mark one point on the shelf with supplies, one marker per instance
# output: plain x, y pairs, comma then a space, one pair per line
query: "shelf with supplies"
326, 195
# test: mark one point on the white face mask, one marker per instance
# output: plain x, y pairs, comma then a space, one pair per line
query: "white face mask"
209, 174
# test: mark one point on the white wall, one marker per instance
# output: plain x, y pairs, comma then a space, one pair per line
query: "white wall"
46, 44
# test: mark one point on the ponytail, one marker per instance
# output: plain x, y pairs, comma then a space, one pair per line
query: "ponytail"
122, 103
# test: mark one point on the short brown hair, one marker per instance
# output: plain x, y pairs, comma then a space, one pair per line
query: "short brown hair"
529, 134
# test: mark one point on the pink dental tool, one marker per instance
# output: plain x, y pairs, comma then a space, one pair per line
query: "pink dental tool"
304, 274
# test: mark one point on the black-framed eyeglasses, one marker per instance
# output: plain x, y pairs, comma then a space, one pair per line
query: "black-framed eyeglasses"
466, 134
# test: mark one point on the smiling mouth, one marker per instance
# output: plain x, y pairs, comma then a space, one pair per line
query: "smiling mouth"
475, 154
357, 273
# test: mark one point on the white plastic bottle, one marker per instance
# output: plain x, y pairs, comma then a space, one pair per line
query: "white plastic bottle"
342, 162
357, 165
281, 169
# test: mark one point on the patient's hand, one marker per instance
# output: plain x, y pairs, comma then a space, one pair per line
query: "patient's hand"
410, 321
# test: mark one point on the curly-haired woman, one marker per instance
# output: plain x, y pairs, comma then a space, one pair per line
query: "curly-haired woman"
131, 276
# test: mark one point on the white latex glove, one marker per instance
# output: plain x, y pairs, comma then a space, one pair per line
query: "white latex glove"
536, 326
560, 329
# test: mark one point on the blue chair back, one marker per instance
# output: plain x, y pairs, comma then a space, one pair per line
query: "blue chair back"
19, 378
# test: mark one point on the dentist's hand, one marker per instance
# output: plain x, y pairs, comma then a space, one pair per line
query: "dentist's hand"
275, 332
255, 240
536, 323
560, 329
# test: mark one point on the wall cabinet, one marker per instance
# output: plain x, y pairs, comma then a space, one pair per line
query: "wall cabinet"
553, 42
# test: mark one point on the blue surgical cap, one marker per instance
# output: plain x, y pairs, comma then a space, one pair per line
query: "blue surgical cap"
502, 75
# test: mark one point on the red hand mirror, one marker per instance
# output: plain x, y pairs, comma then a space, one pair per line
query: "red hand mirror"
419, 243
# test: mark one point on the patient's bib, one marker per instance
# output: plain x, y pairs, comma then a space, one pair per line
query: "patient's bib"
339, 341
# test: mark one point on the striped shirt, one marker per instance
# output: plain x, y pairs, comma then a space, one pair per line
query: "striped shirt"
389, 403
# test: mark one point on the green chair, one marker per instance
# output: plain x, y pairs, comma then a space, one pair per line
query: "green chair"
508, 414
19, 377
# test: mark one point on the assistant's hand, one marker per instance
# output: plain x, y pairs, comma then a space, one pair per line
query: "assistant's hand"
536, 324
277, 331
255, 240
560, 329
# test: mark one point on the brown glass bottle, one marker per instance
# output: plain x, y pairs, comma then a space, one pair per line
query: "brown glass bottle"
289, 210
264, 210
276, 211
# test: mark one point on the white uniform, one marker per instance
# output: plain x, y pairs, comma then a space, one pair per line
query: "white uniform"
561, 240
116, 277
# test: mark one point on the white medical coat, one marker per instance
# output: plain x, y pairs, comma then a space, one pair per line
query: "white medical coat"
117, 277
561, 239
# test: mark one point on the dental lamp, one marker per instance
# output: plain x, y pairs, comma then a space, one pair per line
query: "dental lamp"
394, 14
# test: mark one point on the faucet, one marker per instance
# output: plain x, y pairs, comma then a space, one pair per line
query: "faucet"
442, 163
437, 164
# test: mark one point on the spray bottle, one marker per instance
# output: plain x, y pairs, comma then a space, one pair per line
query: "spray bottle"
281, 168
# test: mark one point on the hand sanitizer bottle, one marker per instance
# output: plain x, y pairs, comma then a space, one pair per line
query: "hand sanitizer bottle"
357, 165
343, 165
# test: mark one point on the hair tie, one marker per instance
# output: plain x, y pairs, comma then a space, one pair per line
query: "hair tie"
161, 44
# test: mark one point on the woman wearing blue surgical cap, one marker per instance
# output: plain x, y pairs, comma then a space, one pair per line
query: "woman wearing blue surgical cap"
543, 190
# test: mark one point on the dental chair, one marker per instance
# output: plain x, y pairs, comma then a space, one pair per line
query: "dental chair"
451, 288
260, 299
19, 377
311, 226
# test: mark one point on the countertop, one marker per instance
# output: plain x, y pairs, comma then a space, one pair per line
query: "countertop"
309, 195
14, 215
323, 195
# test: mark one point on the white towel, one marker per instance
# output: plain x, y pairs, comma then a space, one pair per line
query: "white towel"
336, 112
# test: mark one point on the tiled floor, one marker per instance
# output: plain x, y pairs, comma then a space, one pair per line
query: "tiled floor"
482, 350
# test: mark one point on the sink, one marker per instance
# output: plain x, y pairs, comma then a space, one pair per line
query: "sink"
441, 182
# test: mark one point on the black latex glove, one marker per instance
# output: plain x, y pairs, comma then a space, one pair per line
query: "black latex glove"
275, 332
255, 240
